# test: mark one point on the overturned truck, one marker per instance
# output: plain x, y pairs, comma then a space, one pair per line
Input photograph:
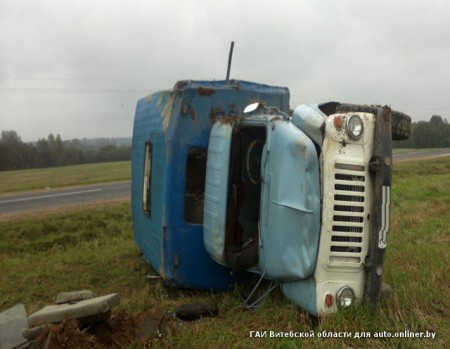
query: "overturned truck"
225, 177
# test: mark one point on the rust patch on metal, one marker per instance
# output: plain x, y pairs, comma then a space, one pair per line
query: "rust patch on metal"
230, 119
386, 113
202, 91
386, 118
218, 114
215, 114
181, 84
186, 109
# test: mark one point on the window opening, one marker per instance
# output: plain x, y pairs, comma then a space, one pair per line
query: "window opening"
242, 231
147, 187
194, 196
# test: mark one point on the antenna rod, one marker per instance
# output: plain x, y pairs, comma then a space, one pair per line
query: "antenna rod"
230, 56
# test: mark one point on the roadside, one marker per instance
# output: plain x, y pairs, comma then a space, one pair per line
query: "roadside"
58, 193
402, 155
23, 202
73, 208
65, 176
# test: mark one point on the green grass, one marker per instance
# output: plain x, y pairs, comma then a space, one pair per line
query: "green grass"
415, 150
91, 248
65, 176
94, 249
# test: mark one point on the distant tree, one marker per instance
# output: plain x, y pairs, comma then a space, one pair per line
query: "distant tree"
73, 156
43, 153
420, 137
11, 151
58, 151
29, 156
15, 154
108, 153
432, 134
439, 129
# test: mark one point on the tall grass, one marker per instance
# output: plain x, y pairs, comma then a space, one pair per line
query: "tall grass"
43, 255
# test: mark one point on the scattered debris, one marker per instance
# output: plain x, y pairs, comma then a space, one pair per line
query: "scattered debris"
154, 324
74, 310
12, 321
79, 319
153, 277
117, 332
67, 297
32, 333
189, 312
386, 290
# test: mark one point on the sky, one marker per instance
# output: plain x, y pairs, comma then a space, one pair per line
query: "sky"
77, 67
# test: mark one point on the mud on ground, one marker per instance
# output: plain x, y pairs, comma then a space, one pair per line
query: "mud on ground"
119, 331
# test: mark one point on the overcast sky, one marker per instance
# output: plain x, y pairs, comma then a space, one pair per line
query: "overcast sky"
76, 68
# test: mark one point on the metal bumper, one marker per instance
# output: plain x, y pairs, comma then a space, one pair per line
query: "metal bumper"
380, 168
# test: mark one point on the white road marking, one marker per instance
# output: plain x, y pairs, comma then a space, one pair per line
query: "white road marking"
50, 196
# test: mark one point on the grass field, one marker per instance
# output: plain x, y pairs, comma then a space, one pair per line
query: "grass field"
415, 150
65, 176
93, 248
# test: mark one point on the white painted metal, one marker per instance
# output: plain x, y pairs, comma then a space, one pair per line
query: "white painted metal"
347, 199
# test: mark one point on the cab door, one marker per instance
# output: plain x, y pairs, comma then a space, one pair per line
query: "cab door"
290, 204
216, 190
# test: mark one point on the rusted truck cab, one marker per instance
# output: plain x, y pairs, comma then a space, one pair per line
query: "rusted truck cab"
225, 178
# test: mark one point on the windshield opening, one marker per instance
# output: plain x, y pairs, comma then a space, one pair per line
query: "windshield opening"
244, 193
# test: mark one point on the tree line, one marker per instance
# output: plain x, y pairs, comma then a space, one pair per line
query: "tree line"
16, 154
428, 134
52, 151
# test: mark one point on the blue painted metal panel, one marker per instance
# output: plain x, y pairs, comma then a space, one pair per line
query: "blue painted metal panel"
303, 293
148, 127
310, 119
174, 121
289, 233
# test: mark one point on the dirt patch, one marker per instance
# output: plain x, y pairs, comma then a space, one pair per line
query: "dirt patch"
117, 332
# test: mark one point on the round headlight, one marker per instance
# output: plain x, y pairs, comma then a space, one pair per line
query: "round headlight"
345, 297
355, 127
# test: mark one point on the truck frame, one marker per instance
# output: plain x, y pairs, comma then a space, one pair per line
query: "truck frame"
226, 178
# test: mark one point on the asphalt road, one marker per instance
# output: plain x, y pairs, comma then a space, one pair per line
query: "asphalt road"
421, 155
33, 201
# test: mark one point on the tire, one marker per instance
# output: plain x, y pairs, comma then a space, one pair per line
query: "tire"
401, 126
401, 123
190, 312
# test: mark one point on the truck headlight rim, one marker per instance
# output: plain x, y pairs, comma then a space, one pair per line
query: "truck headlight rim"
354, 127
345, 296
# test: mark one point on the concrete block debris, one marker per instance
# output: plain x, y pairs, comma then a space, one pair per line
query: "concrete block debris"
74, 296
12, 321
69, 311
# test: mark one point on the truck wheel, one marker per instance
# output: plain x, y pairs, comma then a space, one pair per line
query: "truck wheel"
401, 123
401, 126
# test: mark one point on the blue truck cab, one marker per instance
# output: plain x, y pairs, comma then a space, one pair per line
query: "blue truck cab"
225, 177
